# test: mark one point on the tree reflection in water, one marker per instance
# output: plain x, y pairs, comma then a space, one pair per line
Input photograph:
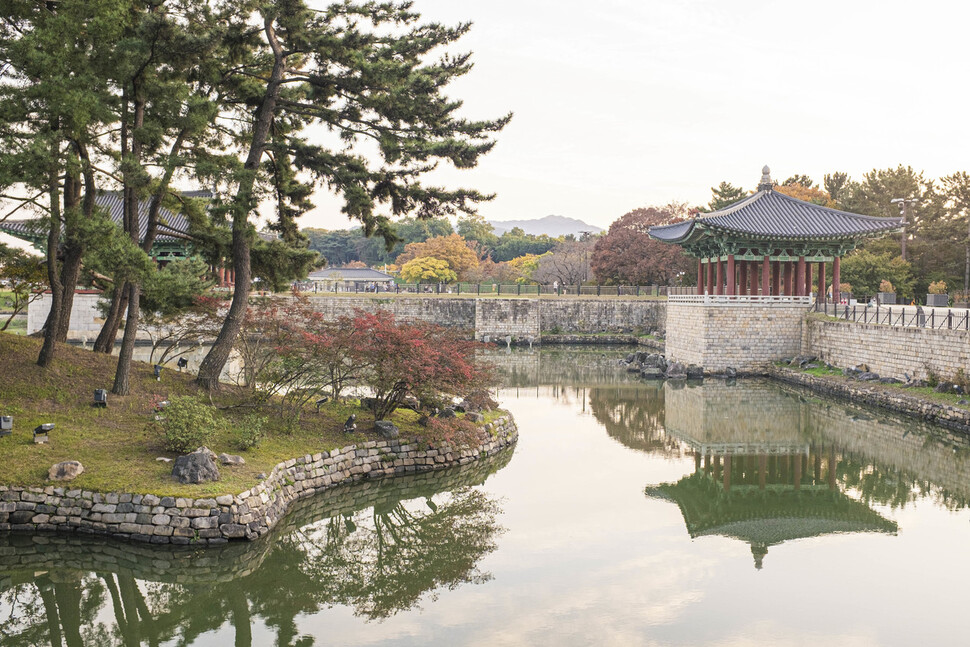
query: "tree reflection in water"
378, 548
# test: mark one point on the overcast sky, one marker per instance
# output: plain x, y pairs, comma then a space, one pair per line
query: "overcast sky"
626, 103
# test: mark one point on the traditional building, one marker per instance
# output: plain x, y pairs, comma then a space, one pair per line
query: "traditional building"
172, 241
755, 263
768, 243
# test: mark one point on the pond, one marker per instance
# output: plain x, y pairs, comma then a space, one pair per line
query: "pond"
629, 513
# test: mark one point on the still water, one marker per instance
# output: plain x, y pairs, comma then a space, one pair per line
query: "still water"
628, 514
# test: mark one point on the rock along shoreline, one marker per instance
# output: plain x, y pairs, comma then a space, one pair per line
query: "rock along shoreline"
149, 518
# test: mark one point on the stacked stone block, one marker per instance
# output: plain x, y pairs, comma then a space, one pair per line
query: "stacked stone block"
890, 351
747, 336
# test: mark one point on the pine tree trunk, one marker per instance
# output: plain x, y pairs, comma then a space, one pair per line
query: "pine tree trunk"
215, 360
53, 276
109, 331
123, 372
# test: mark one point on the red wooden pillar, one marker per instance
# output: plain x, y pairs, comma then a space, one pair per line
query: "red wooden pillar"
743, 280
836, 277
821, 282
776, 278
700, 277
727, 473
719, 288
765, 276
710, 276
731, 280
800, 277
808, 279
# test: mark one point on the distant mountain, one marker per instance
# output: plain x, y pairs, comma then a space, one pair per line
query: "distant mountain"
550, 225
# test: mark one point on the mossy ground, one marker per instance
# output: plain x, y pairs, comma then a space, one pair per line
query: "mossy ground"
922, 392
118, 445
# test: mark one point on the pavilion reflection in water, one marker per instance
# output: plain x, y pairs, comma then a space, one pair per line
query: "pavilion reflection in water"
758, 474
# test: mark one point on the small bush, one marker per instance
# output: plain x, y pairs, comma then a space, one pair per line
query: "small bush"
189, 422
249, 432
937, 287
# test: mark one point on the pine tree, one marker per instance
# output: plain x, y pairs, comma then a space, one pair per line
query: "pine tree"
725, 194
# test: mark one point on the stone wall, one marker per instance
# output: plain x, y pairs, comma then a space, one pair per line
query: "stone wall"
889, 351
745, 336
86, 320
176, 520
22, 554
519, 318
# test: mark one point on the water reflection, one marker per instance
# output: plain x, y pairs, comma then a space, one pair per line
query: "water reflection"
771, 463
378, 548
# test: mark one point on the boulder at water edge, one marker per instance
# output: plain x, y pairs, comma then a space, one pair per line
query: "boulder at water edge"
197, 467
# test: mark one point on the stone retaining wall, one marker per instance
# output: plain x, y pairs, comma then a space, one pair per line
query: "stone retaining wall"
744, 336
953, 418
519, 318
22, 554
176, 520
890, 351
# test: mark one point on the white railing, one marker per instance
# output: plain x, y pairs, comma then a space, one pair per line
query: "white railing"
736, 299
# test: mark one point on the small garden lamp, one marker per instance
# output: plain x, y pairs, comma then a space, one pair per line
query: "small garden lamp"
182, 363
100, 398
6, 426
158, 372
41, 432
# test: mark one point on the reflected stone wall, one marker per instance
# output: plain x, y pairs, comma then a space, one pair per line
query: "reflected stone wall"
755, 417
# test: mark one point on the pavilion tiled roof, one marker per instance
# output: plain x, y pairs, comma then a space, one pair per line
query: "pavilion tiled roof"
349, 274
172, 226
770, 214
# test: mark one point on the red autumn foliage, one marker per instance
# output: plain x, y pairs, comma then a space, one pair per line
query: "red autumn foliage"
627, 254
417, 360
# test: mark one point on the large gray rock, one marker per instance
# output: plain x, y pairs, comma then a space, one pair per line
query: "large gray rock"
66, 471
655, 360
868, 377
676, 371
387, 429
197, 467
695, 372
651, 373
231, 459
474, 416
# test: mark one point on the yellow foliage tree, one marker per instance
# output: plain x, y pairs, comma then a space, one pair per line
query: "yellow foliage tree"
523, 266
453, 249
427, 268
807, 194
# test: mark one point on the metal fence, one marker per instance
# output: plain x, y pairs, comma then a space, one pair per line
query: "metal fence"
902, 316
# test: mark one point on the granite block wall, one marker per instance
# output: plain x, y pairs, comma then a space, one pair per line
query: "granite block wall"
744, 336
887, 350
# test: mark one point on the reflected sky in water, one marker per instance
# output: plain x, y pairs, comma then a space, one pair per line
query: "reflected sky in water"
630, 513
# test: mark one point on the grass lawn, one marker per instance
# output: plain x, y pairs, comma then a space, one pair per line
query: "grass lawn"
118, 445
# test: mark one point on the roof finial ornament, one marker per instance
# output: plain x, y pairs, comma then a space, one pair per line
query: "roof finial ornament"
766, 183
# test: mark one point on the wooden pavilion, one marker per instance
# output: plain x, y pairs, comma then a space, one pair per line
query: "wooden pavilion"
772, 236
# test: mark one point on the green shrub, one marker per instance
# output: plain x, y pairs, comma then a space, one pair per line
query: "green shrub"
249, 432
189, 422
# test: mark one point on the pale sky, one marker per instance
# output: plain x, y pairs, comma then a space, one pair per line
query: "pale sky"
621, 103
